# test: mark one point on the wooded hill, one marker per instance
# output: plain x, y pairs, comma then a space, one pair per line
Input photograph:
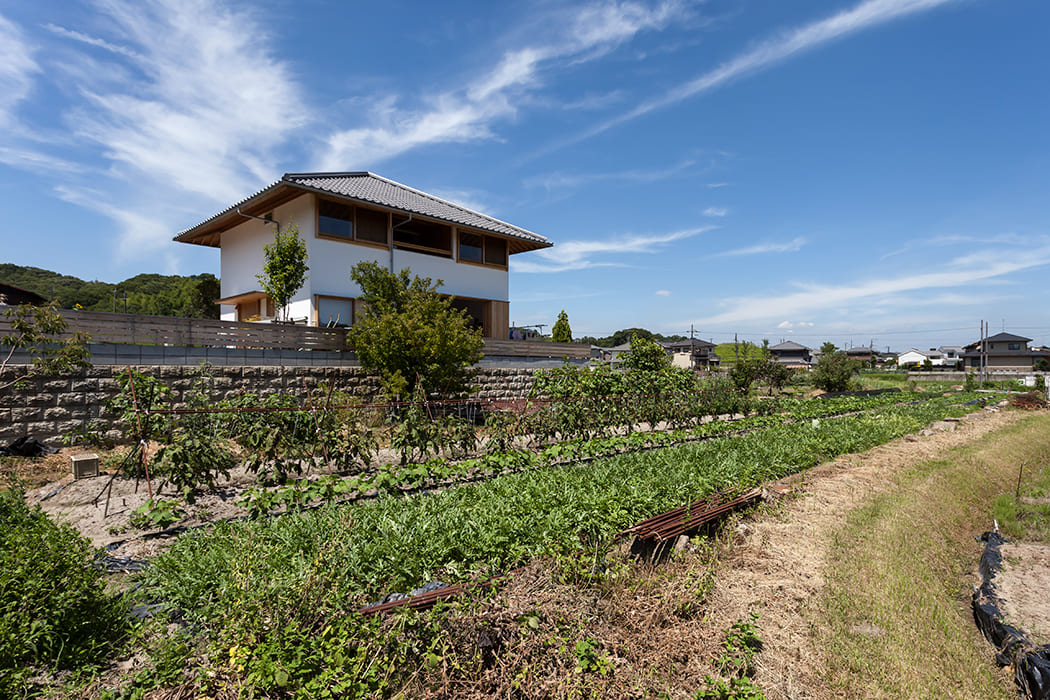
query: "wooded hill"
157, 295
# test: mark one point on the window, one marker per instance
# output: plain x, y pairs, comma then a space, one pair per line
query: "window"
478, 248
372, 225
426, 236
335, 311
471, 246
1013, 346
335, 219
495, 251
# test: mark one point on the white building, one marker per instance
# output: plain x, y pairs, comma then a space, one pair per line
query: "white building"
346, 218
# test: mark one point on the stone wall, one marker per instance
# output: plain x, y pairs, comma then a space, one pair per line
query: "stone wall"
50, 407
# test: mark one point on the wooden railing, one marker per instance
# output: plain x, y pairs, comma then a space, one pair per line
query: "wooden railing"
136, 329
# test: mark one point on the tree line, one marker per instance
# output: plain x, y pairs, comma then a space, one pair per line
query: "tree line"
156, 295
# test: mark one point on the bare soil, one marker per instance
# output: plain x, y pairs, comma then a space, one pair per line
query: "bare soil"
1022, 585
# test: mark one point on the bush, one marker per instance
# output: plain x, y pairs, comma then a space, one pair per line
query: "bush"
834, 371
53, 605
410, 334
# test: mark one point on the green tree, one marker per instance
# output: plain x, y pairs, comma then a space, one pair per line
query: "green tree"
646, 355
284, 268
562, 333
38, 331
410, 334
834, 370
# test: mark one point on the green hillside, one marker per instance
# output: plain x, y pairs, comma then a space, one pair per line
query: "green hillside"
158, 295
730, 351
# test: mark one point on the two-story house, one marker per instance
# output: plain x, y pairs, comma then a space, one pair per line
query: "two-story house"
1003, 351
347, 218
792, 354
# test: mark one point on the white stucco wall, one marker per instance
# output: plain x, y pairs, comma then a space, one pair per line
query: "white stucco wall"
330, 262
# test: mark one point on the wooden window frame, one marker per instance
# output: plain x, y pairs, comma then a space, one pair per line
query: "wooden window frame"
354, 304
484, 242
354, 240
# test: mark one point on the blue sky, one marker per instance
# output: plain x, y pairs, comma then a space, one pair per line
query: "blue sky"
843, 170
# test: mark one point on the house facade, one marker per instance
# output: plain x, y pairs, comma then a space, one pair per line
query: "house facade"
1003, 351
692, 353
351, 217
792, 354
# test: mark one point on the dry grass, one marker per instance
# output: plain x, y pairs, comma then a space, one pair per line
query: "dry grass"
894, 619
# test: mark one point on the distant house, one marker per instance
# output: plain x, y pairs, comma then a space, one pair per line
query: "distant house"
10, 295
917, 358
350, 217
952, 355
692, 353
1003, 351
792, 354
862, 353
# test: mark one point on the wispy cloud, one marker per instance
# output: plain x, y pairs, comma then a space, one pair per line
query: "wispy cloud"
716, 211
769, 53
559, 181
17, 70
91, 40
467, 114
792, 246
182, 102
578, 255
714, 185
789, 325
982, 267
663, 293
209, 105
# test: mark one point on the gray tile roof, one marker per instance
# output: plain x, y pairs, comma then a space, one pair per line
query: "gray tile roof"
370, 188
789, 345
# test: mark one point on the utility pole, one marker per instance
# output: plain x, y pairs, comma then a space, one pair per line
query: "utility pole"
736, 349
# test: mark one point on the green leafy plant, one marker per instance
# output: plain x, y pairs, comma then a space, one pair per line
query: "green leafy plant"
156, 513
54, 609
562, 332
410, 334
38, 330
589, 658
284, 267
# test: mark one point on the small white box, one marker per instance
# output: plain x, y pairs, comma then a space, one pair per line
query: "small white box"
84, 465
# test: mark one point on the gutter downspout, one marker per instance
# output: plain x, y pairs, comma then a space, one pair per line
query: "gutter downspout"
271, 220
392, 241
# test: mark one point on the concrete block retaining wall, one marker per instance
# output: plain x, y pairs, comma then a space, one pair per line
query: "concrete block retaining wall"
50, 407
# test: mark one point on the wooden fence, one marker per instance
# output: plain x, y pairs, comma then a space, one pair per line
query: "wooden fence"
136, 329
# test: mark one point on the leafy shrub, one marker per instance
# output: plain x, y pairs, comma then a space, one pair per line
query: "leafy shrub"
53, 606
156, 513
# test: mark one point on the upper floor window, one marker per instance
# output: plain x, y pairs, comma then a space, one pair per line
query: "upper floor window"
426, 236
335, 219
1013, 346
349, 222
478, 248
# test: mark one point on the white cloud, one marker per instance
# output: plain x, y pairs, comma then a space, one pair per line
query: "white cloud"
559, 181
207, 107
17, 70
792, 246
663, 293
466, 114
867, 14
716, 211
578, 255
980, 267
788, 325
714, 185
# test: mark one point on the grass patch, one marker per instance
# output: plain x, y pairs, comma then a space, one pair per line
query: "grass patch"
895, 620
1024, 512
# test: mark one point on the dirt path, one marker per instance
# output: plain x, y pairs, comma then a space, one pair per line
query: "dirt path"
776, 566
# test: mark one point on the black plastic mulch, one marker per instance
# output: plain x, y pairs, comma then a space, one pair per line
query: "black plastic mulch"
1031, 662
